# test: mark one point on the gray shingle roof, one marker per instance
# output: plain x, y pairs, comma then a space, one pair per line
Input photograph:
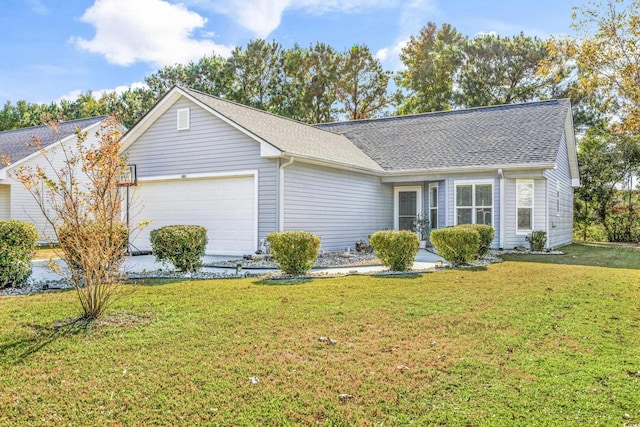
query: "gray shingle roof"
289, 136
516, 134
18, 144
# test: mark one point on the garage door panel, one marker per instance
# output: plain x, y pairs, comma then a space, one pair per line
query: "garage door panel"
225, 206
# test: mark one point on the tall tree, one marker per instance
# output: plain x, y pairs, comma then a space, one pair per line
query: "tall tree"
363, 85
503, 70
209, 75
256, 73
431, 59
606, 51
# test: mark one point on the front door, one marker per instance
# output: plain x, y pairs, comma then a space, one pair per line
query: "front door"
408, 201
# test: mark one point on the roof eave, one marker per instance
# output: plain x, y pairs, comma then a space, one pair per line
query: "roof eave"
333, 164
389, 175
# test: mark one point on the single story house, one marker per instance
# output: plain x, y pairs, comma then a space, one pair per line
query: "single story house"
244, 173
18, 148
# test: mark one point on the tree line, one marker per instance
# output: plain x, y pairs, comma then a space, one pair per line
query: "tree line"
442, 70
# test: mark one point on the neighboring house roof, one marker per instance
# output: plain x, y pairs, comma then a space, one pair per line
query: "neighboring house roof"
19, 144
499, 136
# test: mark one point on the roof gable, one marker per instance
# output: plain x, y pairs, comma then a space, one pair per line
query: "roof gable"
289, 137
516, 135
18, 145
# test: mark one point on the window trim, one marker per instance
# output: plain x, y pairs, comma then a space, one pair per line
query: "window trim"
396, 202
533, 197
473, 183
433, 186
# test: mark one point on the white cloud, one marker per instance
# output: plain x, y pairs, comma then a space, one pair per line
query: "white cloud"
37, 6
261, 17
152, 31
97, 94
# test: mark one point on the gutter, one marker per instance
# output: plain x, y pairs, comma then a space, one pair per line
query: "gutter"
281, 194
502, 207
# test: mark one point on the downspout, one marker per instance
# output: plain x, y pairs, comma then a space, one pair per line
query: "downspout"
502, 205
281, 195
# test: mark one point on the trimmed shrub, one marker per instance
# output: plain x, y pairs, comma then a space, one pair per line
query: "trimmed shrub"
537, 240
396, 249
487, 233
459, 245
18, 241
181, 245
294, 252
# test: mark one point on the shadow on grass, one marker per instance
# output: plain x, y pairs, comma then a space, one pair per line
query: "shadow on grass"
156, 281
285, 281
587, 255
15, 352
400, 275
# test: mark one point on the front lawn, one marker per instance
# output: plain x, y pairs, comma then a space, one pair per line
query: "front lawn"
597, 254
515, 344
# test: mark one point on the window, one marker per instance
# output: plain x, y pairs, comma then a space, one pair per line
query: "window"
524, 205
433, 206
474, 203
183, 119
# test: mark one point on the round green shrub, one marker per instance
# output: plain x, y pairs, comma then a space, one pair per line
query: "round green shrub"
487, 233
396, 249
294, 252
459, 245
18, 240
181, 245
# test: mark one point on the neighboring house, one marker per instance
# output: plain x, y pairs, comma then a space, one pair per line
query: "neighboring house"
19, 148
244, 173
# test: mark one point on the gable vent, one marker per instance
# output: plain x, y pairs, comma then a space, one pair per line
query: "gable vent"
183, 119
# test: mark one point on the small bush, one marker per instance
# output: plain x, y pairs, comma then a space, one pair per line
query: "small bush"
18, 240
181, 245
86, 245
537, 240
487, 233
459, 244
294, 252
395, 249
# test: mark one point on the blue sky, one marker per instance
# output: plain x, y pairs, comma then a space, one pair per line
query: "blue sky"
53, 49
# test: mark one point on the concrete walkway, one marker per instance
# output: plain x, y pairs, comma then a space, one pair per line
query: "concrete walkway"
424, 260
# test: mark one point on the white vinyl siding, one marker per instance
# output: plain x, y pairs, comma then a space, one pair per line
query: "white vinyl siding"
524, 205
210, 146
560, 196
341, 207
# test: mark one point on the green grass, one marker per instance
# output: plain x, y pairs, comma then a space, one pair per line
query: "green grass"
516, 344
587, 254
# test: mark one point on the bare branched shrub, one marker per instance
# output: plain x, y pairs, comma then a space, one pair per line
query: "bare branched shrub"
82, 203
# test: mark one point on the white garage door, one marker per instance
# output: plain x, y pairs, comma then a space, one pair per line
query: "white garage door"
225, 206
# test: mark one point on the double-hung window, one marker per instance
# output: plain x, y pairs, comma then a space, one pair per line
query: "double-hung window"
474, 203
524, 205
